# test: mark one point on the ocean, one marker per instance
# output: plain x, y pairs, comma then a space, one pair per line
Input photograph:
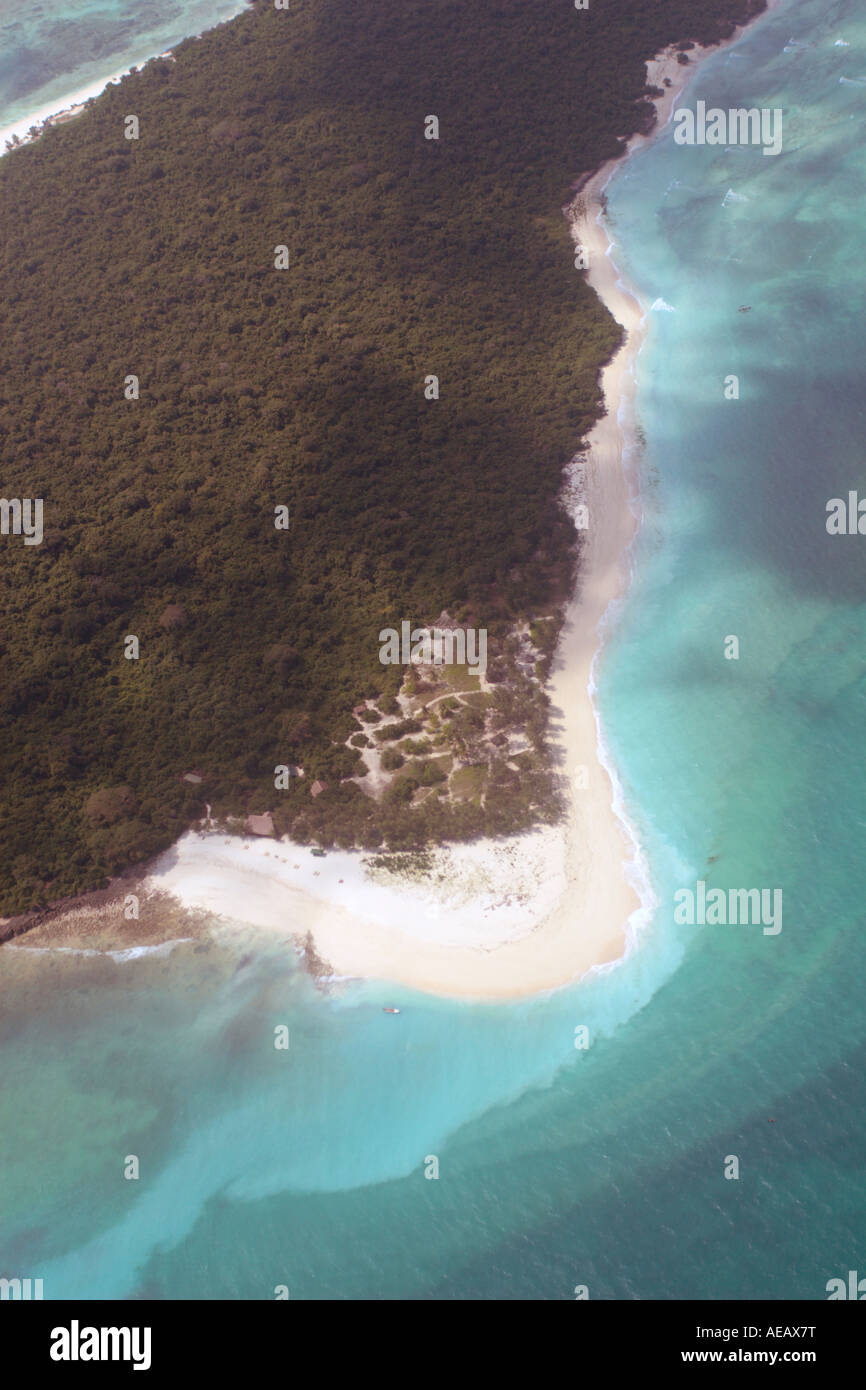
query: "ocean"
474, 1152
53, 55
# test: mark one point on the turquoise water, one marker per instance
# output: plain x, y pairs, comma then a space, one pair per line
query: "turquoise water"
306, 1167
51, 52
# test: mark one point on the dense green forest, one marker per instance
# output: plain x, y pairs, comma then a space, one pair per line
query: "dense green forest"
303, 387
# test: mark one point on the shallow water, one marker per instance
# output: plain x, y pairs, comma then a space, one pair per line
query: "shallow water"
51, 53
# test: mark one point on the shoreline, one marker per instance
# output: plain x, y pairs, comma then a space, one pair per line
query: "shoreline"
62, 109
52, 114
498, 919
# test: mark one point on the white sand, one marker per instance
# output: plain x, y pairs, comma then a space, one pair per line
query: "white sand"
529, 913
71, 105
60, 109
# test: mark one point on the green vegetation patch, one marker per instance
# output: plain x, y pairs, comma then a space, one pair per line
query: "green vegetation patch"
468, 783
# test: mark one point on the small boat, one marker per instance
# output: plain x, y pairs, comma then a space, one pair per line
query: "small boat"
744, 308
390, 1011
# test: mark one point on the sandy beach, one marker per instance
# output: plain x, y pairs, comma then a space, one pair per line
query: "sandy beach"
65, 106
530, 913
50, 113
